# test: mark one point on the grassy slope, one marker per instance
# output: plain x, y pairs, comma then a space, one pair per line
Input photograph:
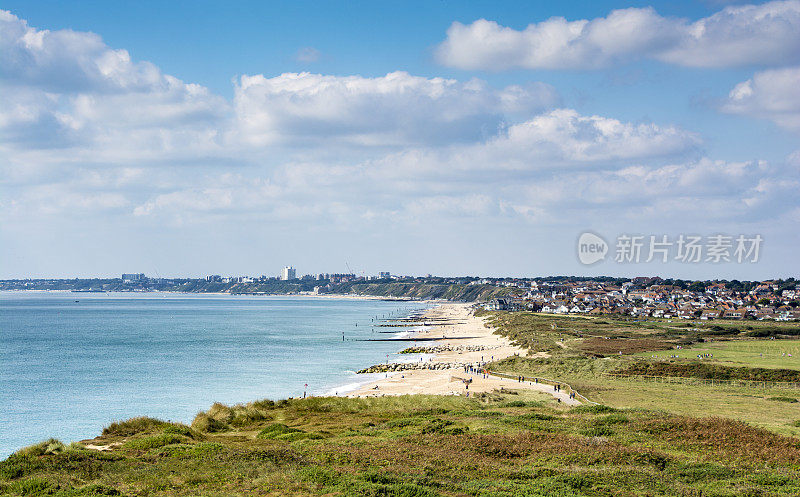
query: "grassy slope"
574, 360
417, 446
467, 293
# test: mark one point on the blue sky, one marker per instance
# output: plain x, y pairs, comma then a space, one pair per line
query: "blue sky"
416, 137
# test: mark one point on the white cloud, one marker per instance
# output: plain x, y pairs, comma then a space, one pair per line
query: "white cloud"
767, 34
474, 179
392, 110
68, 60
90, 134
773, 95
565, 137
68, 90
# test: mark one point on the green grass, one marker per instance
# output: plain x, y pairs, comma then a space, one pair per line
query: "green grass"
752, 353
581, 354
499, 445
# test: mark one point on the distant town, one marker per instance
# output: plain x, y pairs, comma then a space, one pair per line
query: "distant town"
637, 297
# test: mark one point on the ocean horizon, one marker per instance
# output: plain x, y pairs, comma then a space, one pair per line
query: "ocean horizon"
74, 362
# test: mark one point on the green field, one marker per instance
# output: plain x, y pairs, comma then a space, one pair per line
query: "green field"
752, 353
584, 351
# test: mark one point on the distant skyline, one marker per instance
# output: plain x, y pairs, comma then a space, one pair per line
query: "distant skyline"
450, 138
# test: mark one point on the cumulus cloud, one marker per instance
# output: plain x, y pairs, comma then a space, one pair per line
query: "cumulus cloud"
767, 34
68, 90
773, 95
67, 60
89, 132
392, 110
475, 179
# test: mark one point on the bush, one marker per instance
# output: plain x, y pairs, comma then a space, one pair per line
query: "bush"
154, 441
612, 419
598, 431
708, 371
443, 427
275, 430
704, 472
790, 400
522, 403
180, 429
93, 489
33, 486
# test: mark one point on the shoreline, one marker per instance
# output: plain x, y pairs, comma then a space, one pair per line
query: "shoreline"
461, 343
341, 296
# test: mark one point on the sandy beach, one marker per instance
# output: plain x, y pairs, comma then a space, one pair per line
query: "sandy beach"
461, 338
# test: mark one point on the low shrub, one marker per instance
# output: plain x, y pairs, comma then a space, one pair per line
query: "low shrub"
32, 486
593, 409
181, 429
598, 431
403, 422
92, 489
275, 430
703, 472
522, 403
790, 400
154, 442
706, 371
444, 427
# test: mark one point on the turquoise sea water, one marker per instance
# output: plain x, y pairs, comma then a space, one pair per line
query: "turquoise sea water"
70, 363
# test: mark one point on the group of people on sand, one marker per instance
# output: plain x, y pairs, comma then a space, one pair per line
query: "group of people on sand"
479, 369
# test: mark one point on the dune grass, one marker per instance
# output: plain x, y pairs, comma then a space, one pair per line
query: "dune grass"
501, 445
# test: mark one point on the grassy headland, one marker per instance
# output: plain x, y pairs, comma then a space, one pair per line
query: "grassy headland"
497, 445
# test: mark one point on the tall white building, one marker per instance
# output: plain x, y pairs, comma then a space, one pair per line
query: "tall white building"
288, 273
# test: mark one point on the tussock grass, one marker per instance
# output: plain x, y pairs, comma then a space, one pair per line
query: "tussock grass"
423, 446
134, 426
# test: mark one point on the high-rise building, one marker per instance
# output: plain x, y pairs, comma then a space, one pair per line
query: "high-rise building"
132, 278
384, 275
288, 273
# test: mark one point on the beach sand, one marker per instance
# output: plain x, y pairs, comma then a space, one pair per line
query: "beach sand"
449, 321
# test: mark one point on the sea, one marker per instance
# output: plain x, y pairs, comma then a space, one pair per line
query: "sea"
71, 363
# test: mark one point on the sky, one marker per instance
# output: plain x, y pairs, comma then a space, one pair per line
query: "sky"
451, 138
